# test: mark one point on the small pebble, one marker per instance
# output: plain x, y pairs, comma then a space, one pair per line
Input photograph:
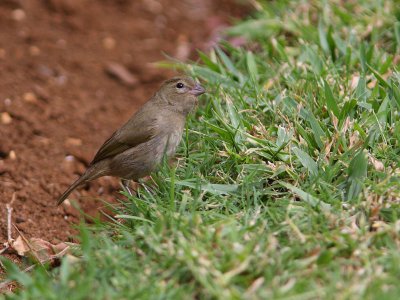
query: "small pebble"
45, 71
69, 158
42, 140
19, 220
12, 155
154, 6
73, 142
30, 97
61, 43
109, 43
6, 118
18, 15
61, 79
34, 50
69, 164
41, 92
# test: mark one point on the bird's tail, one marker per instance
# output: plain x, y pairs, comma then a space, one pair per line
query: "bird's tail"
92, 173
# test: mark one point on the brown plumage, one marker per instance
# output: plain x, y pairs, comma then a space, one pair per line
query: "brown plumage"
135, 150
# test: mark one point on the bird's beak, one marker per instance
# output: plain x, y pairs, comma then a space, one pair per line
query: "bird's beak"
197, 90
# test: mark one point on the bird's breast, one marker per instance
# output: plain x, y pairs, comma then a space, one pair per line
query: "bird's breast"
172, 141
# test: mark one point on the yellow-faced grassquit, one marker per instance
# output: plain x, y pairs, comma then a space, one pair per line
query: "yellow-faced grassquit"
155, 130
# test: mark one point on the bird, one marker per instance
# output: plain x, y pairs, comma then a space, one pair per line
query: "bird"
153, 132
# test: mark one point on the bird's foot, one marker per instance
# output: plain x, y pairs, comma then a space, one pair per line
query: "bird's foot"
126, 186
148, 187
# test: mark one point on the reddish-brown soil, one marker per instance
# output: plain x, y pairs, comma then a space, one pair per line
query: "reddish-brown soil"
58, 104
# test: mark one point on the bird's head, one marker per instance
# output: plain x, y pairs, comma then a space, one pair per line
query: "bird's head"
181, 93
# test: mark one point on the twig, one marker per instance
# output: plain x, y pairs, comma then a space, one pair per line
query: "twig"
30, 247
10, 240
5, 283
9, 219
1, 263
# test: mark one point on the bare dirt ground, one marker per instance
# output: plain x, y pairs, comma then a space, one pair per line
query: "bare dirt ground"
58, 104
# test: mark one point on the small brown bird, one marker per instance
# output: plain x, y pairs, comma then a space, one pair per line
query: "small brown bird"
155, 130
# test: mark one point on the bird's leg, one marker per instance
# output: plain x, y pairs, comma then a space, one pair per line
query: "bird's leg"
152, 180
126, 186
147, 187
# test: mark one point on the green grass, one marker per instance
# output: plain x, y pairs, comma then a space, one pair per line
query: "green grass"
287, 183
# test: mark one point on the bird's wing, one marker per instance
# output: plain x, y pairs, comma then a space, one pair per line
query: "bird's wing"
136, 131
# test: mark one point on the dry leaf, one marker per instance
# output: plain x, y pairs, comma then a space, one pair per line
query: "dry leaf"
354, 139
335, 121
270, 83
328, 146
39, 248
45, 250
378, 165
121, 73
20, 246
354, 81
346, 125
72, 259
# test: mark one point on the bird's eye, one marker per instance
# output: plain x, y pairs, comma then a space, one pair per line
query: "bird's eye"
180, 85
